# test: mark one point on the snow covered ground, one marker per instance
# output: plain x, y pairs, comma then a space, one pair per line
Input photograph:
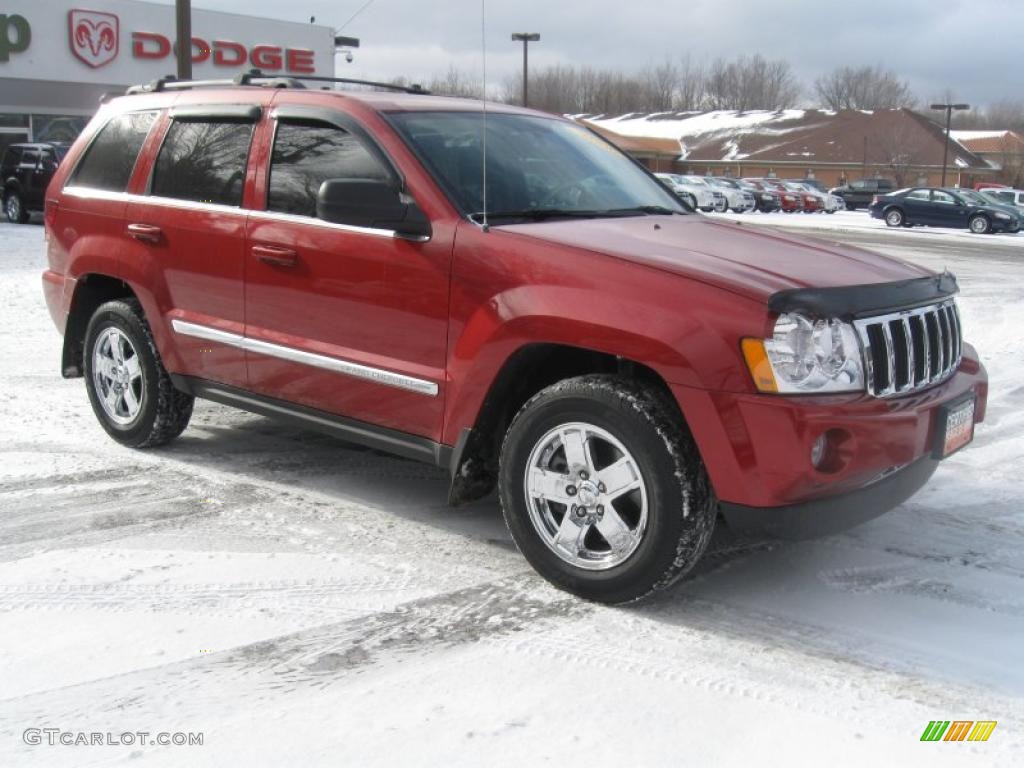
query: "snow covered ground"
304, 602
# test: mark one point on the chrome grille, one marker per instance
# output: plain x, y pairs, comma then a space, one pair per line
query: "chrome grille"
909, 350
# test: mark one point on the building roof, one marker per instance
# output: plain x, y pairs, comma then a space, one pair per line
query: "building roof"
990, 142
810, 136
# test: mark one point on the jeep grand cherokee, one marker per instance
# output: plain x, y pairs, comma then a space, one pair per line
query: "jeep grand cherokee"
624, 372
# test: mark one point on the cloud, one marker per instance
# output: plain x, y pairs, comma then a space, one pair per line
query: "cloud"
958, 44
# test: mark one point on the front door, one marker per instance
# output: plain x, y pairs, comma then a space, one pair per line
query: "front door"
947, 210
343, 319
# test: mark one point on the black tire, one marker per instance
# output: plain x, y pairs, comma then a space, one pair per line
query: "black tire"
895, 217
164, 411
681, 508
979, 224
14, 208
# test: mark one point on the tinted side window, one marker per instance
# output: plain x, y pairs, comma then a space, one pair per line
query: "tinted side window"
919, 194
12, 157
308, 154
109, 160
203, 161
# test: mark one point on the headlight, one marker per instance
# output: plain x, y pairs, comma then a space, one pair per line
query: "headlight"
806, 356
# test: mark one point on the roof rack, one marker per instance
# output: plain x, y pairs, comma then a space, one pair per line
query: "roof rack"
256, 77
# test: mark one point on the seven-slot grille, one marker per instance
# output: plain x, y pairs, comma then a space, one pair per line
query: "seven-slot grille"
912, 349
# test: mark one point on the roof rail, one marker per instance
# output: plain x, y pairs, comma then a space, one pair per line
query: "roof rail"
256, 77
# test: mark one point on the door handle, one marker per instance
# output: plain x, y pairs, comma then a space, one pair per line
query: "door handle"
278, 257
147, 233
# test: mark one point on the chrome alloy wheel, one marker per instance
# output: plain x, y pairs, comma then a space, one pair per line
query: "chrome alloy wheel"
118, 376
13, 208
586, 496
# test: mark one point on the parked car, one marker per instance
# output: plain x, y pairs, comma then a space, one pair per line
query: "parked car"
1004, 195
623, 371
719, 202
813, 184
765, 201
934, 207
827, 202
737, 200
812, 201
697, 196
860, 193
789, 202
25, 171
980, 198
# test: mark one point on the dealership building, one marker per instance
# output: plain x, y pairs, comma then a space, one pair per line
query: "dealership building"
57, 59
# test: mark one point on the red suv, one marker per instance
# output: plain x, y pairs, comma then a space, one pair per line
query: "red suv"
623, 371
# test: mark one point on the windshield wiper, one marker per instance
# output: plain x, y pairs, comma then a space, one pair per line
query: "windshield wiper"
543, 214
652, 210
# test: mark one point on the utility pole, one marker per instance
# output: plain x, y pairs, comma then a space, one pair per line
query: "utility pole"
183, 22
945, 147
526, 38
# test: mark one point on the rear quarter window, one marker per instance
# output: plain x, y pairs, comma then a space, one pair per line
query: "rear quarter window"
203, 161
110, 158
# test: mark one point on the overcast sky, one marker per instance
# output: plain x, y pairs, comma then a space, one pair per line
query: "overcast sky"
971, 47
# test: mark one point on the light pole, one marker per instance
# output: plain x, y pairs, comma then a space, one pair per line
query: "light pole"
527, 38
945, 147
183, 22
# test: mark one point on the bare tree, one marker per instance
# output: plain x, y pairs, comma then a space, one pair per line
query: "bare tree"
455, 82
863, 88
899, 150
751, 82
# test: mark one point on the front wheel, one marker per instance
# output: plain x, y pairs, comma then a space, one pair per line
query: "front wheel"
603, 489
130, 391
15, 209
979, 225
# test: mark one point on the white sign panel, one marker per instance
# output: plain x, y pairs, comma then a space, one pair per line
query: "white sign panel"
122, 42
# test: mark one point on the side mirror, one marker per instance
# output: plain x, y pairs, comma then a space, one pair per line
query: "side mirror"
371, 203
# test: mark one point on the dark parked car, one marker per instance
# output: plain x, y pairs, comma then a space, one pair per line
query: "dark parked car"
26, 169
936, 207
860, 193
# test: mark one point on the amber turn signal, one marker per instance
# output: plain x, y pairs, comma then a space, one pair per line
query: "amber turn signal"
760, 368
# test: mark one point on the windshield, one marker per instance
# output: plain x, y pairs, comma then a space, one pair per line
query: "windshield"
973, 197
535, 165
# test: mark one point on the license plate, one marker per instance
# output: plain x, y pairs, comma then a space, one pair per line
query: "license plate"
955, 427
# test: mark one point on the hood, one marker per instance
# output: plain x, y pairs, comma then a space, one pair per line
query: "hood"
749, 260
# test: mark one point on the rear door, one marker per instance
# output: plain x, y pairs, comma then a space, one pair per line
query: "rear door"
190, 228
26, 176
917, 204
348, 320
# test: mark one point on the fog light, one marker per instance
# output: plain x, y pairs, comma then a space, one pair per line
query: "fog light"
819, 450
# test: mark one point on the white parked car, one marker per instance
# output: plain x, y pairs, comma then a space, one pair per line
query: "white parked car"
703, 196
1004, 196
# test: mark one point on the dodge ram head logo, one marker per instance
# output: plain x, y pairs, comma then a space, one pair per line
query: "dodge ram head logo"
94, 36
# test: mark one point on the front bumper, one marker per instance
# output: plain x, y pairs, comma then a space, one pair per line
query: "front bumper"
757, 447
822, 517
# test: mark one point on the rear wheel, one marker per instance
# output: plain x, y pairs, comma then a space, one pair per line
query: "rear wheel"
15, 208
894, 217
979, 224
603, 489
130, 391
